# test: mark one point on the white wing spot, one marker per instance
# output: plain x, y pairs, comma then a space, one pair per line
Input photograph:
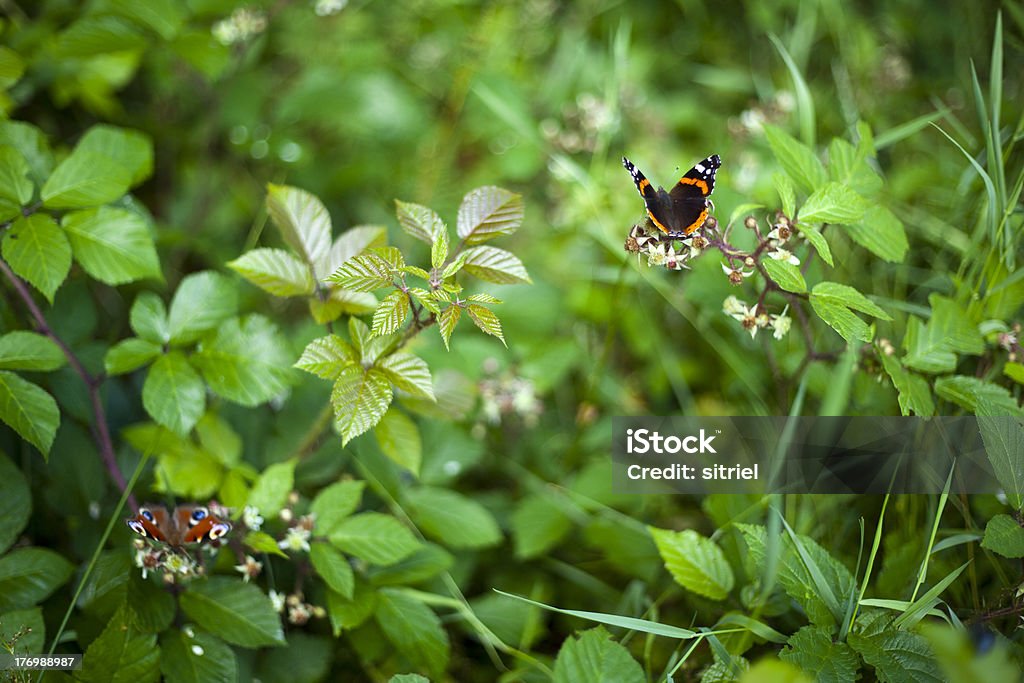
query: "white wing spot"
700, 168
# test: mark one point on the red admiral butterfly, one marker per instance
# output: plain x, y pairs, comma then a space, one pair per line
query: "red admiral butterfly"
685, 208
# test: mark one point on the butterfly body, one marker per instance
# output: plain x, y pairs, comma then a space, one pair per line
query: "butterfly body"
187, 524
684, 209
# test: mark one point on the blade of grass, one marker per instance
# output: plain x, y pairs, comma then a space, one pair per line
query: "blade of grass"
920, 608
875, 544
804, 102
824, 589
905, 130
923, 572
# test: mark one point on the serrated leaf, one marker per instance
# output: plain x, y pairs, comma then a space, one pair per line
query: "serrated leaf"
201, 302
594, 657
455, 266
360, 398
1004, 445
23, 631
85, 179
129, 149
174, 394
333, 568
453, 519
15, 185
1014, 371
352, 242
833, 203
349, 614
933, 347
439, 249
335, 503
785, 275
1005, 536
30, 575
881, 233
818, 241
485, 319
696, 563
195, 658
399, 439
972, 393
425, 299
340, 301
897, 656
495, 265
303, 221
130, 354
121, 654
811, 648
851, 298
327, 356
418, 272
32, 144
15, 503
447, 321
148, 318
364, 273
21, 350
113, 245
275, 271
419, 221
29, 411
484, 298
915, 395
538, 525
489, 212
240, 613
247, 361
270, 492
414, 630
38, 251
391, 313
408, 373
796, 159
424, 564
841, 319
92, 36
848, 166
375, 538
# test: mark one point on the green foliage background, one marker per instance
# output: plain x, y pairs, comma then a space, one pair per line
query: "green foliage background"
149, 148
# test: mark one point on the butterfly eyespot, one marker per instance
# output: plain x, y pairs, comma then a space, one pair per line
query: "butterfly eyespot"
146, 514
198, 515
219, 530
137, 527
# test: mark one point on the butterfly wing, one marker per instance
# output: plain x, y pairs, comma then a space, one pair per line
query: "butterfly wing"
689, 198
657, 202
151, 522
198, 525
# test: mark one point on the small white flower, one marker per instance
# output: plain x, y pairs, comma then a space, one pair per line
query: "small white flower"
780, 234
276, 600
296, 539
783, 255
781, 323
658, 256
731, 306
736, 275
250, 568
324, 8
251, 517
178, 564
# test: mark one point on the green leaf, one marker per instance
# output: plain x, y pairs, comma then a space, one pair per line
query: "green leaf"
99, 35
121, 654
848, 166
202, 301
414, 630
29, 411
453, 519
538, 525
696, 563
811, 648
1004, 445
594, 657
359, 398
439, 250
12, 66
306, 659
786, 275
366, 272
113, 245
849, 297
334, 504
915, 394
452, 268
85, 179
333, 568
275, 271
148, 318
130, 354
447, 321
240, 613
174, 394
489, 212
399, 439
495, 265
247, 361
270, 492
352, 242
485, 319
1014, 371
29, 576
20, 350
32, 144
29, 623
195, 658
303, 221
424, 564
796, 159
129, 149
408, 373
1005, 536
881, 233
37, 250
897, 655
374, 537
841, 319
327, 356
419, 221
164, 17
833, 203
818, 241
932, 347
348, 614
391, 313
15, 185
262, 542
15, 503
340, 301
408, 678
787, 193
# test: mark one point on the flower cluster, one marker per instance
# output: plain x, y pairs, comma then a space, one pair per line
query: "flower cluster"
174, 566
661, 250
243, 24
754, 318
507, 394
299, 611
